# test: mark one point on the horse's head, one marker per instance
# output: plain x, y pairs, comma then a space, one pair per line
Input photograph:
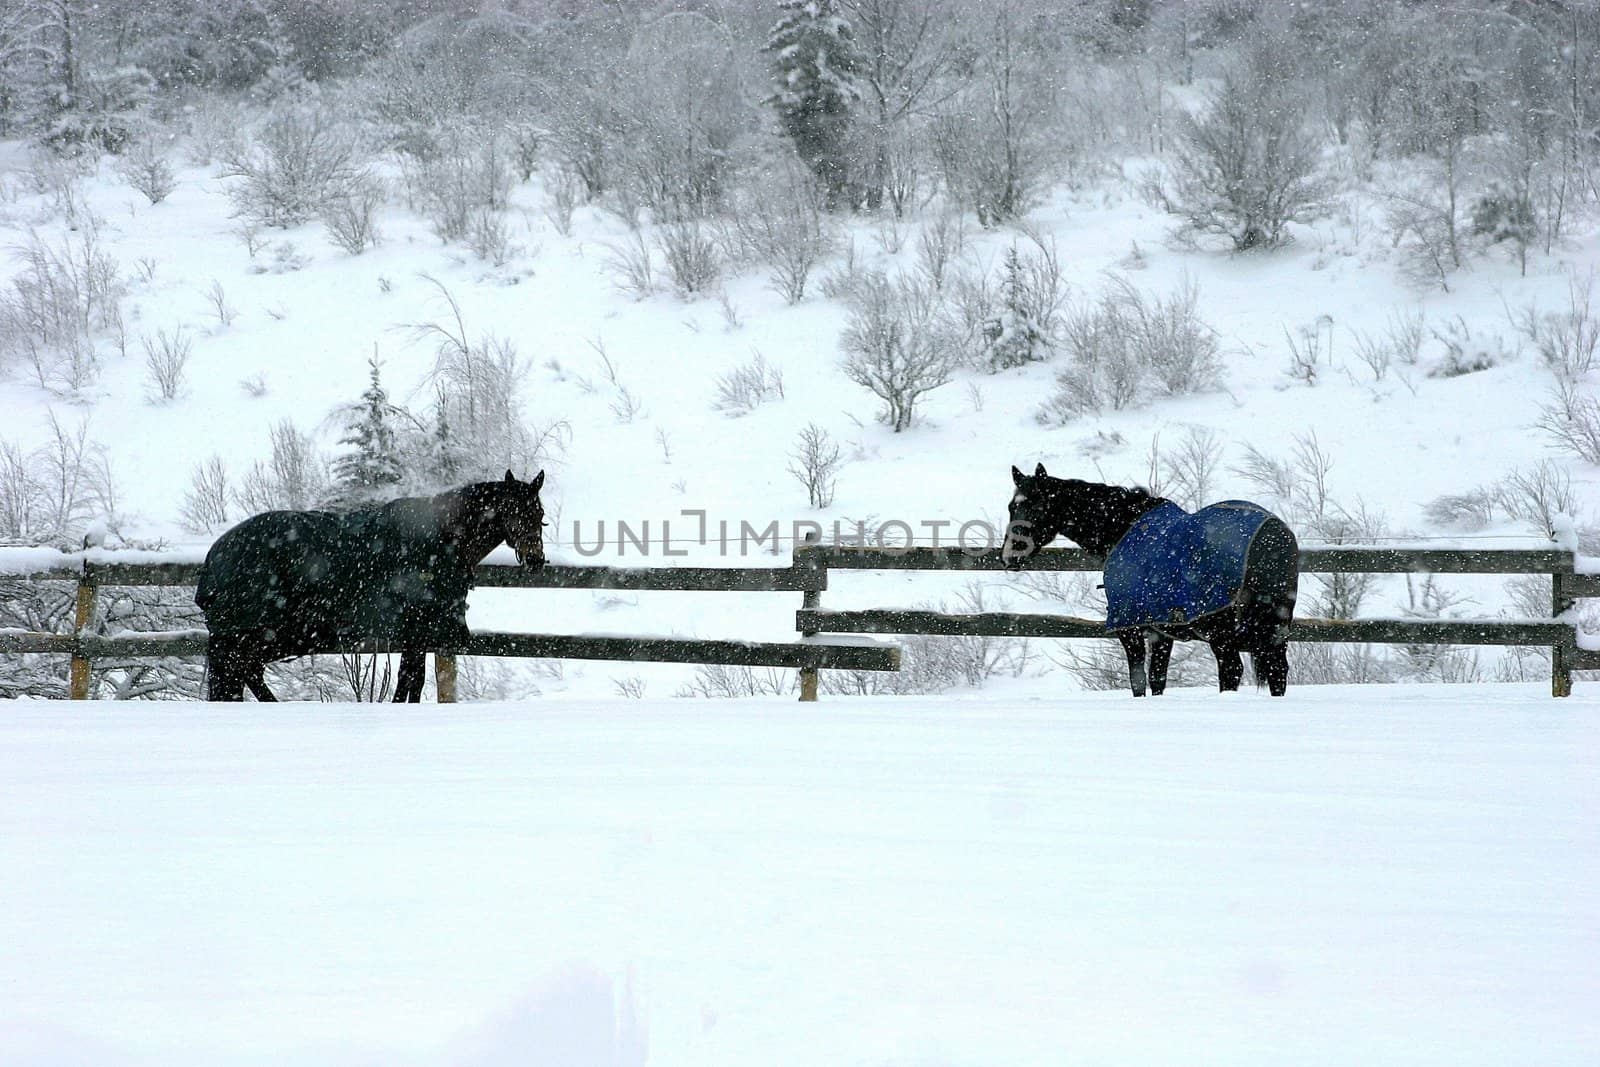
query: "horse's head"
520, 514
1041, 510
1030, 518
1093, 515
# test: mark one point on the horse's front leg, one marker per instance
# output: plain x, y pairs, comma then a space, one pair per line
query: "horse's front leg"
413, 671
1133, 647
1230, 667
223, 681
1160, 656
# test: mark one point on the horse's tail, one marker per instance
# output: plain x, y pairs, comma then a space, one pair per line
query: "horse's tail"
1272, 583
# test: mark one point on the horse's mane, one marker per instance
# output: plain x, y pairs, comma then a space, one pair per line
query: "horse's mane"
1096, 515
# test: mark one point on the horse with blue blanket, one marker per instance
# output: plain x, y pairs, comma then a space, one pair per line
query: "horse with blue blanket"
1227, 574
292, 583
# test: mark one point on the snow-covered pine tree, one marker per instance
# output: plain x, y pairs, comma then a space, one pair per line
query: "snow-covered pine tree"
815, 65
1013, 337
371, 471
444, 461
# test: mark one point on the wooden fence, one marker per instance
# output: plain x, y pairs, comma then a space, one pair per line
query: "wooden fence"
807, 654
1559, 637
819, 647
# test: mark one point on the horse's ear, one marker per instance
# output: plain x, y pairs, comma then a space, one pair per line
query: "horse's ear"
538, 481
509, 476
1016, 476
1038, 472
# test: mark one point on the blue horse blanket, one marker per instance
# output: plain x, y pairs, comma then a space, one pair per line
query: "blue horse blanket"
1174, 567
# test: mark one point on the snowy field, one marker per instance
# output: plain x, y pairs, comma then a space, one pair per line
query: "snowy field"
1377, 875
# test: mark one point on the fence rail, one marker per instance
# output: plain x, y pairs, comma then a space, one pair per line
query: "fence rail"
807, 654
820, 647
1566, 586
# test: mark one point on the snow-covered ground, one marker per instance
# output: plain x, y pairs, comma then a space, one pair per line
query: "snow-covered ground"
1377, 875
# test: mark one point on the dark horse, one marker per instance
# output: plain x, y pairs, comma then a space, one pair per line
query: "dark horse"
292, 583
1226, 575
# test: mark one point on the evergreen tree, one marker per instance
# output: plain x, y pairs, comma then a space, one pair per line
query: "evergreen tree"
815, 65
371, 470
444, 451
1013, 336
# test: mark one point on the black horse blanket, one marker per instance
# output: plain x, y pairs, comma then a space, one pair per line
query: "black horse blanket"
1174, 567
318, 580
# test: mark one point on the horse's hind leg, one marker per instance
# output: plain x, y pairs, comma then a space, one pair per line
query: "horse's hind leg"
1133, 647
413, 672
1272, 666
256, 678
1230, 667
1160, 656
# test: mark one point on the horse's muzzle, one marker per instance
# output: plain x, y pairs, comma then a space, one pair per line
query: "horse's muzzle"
530, 561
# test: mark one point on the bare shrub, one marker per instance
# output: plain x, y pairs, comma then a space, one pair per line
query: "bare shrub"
562, 188
205, 504
932, 663
1126, 347
896, 347
488, 235
1180, 350
940, 243
733, 681
814, 462
1541, 496
217, 297
631, 687
1465, 351
55, 303
1246, 167
692, 257
294, 478
479, 383
300, 159
49, 494
165, 358
1189, 471
785, 227
1423, 223
1567, 341
993, 139
1471, 510
1571, 420
1401, 342
632, 266
351, 216
470, 171
844, 282
748, 386
147, 170
1307, 352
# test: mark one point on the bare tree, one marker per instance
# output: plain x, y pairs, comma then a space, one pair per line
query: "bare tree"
908, 47
896, 347
815, 463
991, 140
1246, 166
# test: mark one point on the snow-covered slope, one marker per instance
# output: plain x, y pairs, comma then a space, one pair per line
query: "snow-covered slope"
307, 333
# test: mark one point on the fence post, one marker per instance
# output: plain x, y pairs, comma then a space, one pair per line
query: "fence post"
1560, 662
78, 675
444, 677
810, 600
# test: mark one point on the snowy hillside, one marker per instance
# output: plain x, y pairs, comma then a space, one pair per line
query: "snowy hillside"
1388, 370
1382, 874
